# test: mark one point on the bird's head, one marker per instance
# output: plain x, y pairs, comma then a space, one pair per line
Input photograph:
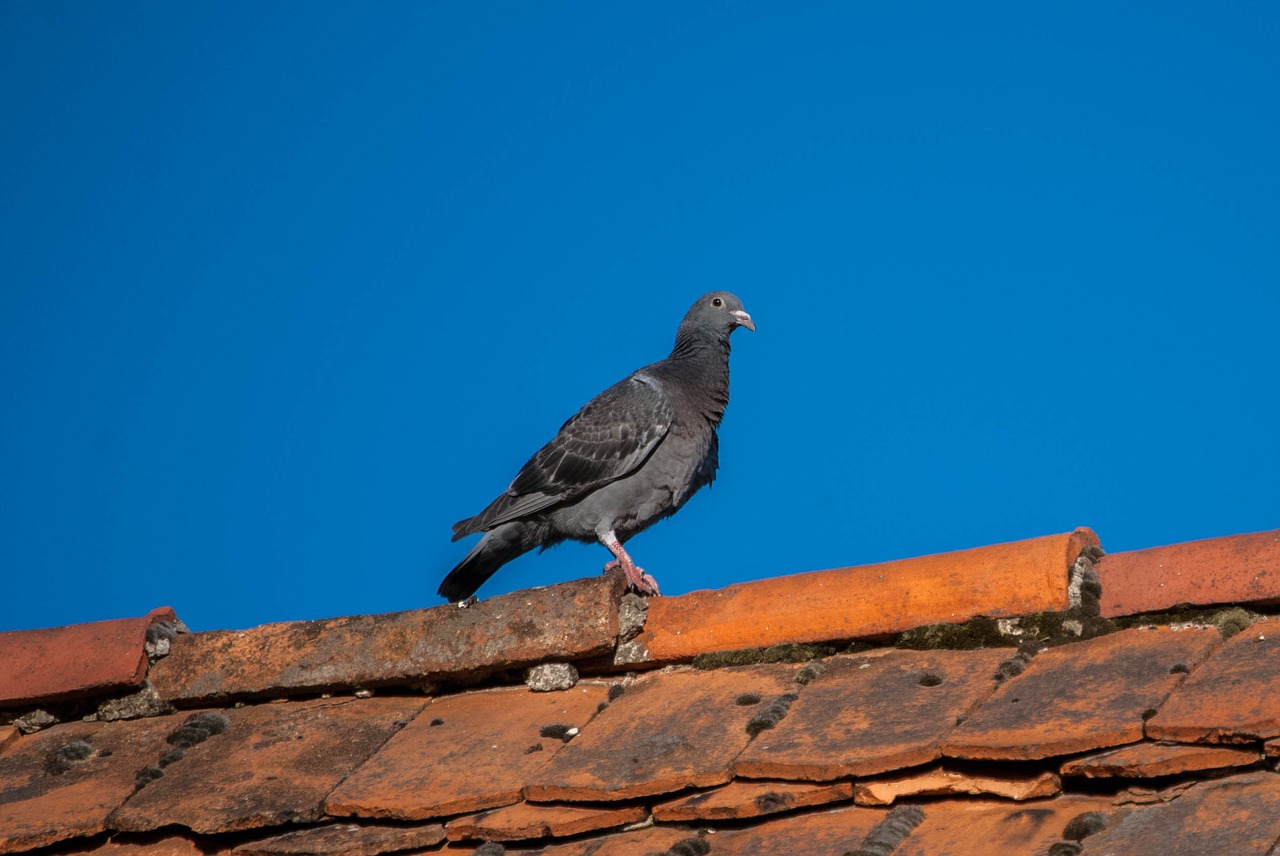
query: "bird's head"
719, 312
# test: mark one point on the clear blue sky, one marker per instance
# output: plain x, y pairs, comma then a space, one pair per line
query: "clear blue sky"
289, 288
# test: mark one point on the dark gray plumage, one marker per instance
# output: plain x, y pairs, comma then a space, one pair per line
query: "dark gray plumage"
631, 457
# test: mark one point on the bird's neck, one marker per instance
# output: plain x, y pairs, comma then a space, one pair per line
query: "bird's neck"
702, 364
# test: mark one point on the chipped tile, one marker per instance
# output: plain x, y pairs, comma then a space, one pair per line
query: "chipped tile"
65, 781
466, 753
77, 661
998, 581
522, 821
1235, 569
739, 800
1147, 760
562, 622
1238, 815
870, 713
669, 731
273, 764
1082, 696
943, 782
345, 839
822, 832
1231, 697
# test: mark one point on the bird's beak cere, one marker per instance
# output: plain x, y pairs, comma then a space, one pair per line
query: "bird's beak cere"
744, 320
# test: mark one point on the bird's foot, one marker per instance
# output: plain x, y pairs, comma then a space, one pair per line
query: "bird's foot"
636, 577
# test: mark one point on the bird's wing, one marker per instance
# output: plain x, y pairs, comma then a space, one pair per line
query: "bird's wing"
610, 437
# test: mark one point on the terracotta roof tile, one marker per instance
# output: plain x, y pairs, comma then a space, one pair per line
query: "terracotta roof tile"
78, 661
942, 781
822, 832
523, 821
744, 759
873, 712
345, 839
740, 800
65, 781
1083, 696
273, 764
1002, 580
466, 753
1235, 569
150, 846
668, 731
1148, 760
569, 621
983, 827
1239, 815
1203, 709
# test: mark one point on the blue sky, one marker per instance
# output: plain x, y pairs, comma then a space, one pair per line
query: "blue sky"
290, 288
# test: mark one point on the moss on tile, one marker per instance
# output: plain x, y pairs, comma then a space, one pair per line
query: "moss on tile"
784, 653
1229, 620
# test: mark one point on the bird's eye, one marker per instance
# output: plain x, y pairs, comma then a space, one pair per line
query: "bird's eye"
717, 302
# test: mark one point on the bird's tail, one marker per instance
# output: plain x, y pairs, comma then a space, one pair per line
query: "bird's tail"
491, 552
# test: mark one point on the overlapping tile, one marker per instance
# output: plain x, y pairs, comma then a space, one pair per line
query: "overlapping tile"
345, 839
669, 731
942, 782
1149, 760
870, 713
564, 622
522, 822
77, 661
273, 763
983, 827
65, 781
653, 840
817, 833
1231, 698
8, 736
998, 581
1238, 816
1235, 569
149, 845
466, 753
1082, 696
739, 800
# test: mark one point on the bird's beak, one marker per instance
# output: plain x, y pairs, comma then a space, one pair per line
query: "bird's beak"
744, 320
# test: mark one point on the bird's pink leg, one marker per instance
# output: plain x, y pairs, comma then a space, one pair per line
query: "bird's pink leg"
638, 579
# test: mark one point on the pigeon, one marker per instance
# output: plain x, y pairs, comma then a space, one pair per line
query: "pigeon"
631, 457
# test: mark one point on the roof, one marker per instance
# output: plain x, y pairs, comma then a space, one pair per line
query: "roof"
1033, 697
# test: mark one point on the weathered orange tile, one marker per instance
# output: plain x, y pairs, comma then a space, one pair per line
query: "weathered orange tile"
940, 782
77, 661
345, 839
562, 622
1147, 760
1231, 697
1238, 815
8, 736
273, 764
837, 831
522, 821
150, 845
999, 581
669, 731
1271, 748
1235, 569
1082, 696
466, 753
642, 842
739, 800
984, 827
873, 712
65, 781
